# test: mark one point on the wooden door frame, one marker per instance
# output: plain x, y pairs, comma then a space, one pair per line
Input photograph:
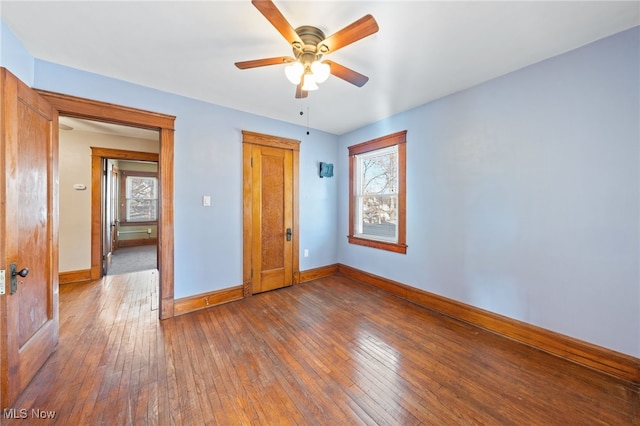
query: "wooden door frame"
72, 106
248, 140
98, 155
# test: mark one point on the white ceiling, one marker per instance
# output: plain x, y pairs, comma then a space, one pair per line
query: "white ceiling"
70, 124
424, 49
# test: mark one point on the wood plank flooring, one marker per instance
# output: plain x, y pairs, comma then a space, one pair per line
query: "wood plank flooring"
328, 352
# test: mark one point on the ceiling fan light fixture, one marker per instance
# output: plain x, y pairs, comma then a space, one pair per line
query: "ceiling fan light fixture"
294, 72
321, 71
309, 43
309, 83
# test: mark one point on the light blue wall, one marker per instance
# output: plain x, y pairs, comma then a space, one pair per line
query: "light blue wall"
523, 195
14, 57
208, 161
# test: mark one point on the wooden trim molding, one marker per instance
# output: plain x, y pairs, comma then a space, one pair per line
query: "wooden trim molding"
98, 154
317, 273
271, 141
101, 111
602, 359
121, 154
73, 106
137, 242
197, 302
214, 298
75, 277
379, 143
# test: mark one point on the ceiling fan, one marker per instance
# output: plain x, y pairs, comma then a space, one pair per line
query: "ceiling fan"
306, 68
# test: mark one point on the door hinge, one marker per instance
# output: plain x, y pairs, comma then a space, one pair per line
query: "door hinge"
251, 161
2, 282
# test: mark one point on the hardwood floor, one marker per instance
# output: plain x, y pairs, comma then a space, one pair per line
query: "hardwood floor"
328, 352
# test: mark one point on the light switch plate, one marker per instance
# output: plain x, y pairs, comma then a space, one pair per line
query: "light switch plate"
206, 200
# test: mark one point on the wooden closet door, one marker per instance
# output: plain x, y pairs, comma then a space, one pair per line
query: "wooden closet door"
270, 213
272, 218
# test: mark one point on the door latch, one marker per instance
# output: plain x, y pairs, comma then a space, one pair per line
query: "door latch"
288, 234
13, 271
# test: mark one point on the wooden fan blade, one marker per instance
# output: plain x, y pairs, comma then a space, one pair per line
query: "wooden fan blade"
360, 29
264, 62
300, 93
347, 74
277, 19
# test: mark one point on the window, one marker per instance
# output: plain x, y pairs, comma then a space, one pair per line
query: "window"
139, 194
377, 198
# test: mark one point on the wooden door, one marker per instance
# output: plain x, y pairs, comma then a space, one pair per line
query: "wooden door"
270, 213
28, 224
106, 217
113, 207
109, 220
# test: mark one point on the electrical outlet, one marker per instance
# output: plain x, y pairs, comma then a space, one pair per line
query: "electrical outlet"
306, 253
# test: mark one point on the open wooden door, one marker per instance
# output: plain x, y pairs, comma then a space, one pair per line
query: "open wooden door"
113, 207
271, 235
28, 225
109, 218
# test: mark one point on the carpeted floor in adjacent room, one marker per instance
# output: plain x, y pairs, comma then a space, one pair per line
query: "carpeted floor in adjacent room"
133, 259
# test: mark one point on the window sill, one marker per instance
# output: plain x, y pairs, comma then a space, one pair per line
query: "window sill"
124, 223
382, 245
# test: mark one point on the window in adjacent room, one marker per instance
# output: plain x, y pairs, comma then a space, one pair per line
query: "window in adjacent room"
140, 193
377, 199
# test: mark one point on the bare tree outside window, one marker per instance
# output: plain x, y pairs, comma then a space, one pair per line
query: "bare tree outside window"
378, 195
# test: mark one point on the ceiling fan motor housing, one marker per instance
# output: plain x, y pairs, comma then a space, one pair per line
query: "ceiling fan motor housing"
311, 37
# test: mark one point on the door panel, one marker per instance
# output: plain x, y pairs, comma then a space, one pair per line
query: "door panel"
106, 218
110, 205
31, 185
272, 213
29, 191
113, 221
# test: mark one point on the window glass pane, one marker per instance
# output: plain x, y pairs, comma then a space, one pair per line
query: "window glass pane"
379, 172
142, 210
142, 187
379, 216
377, 201
141, 203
